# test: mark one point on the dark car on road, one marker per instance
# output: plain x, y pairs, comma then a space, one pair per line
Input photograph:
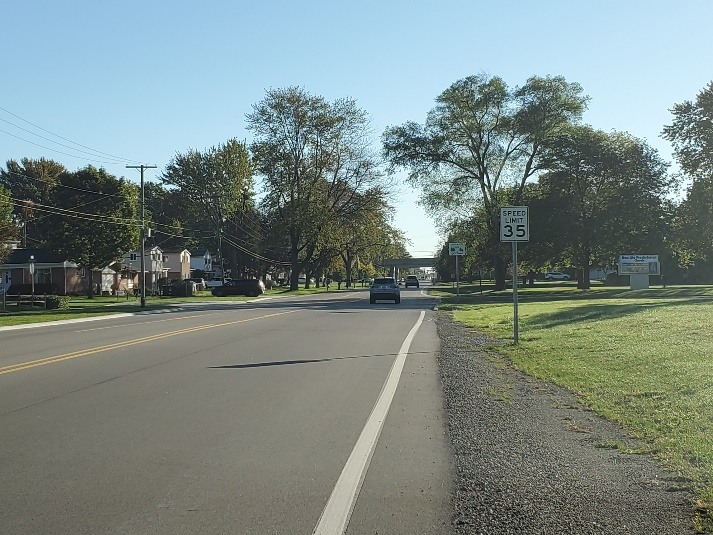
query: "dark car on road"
385, 288
411, 280
249, 287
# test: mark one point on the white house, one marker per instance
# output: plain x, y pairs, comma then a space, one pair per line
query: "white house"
153, 264
201, 259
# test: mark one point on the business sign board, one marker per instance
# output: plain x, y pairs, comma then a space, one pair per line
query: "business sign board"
514, 223
456, 249
639, 264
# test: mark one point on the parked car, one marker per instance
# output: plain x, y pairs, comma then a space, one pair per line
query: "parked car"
412, 280
556, 276
384, 288
249, 287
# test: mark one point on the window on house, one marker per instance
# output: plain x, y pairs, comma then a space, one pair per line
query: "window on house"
43, 275
132, 256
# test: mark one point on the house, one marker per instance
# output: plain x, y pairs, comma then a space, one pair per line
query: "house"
202, 260
177, 263
51, 270
153, 266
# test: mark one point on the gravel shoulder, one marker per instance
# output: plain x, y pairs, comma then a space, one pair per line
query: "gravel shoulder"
531, 460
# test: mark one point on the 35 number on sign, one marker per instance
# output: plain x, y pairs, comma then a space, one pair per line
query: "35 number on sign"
517, 230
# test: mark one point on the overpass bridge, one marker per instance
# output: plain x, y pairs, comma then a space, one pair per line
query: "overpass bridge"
397, 264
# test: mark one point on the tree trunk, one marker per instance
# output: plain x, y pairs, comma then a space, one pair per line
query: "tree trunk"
583, 282
500, 267
348, 267
295, 264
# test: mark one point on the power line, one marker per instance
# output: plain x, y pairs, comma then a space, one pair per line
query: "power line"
239, 224
255, 255
52, 141
199, 234
62, 138
82, 215
60, 185
57, 151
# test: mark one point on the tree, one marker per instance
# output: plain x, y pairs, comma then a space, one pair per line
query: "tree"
471, 231
214, 183
8, 229
694, 243
31, 182
481, 142
317, 165
94, 218
168, 214
604, 195
691, 134
358, 234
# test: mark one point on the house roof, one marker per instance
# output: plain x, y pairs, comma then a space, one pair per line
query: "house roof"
198, 252
42, 256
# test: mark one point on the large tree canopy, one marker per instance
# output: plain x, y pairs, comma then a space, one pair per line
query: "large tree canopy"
481, 143
31, 183
317, 167
8, 229
212, 185
94, 217
214, 182
691, 134
603, 196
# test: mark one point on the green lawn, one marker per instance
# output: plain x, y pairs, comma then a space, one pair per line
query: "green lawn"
82, 307
642, 358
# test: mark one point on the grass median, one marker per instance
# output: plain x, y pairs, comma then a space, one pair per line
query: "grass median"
641, 358
83, 307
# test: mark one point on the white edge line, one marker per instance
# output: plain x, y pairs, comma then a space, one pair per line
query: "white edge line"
336, 514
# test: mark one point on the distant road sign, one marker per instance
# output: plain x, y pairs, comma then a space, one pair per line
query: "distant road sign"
514, 223
456, 249
639, 264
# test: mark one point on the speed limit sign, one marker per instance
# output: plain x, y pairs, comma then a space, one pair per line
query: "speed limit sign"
514, 223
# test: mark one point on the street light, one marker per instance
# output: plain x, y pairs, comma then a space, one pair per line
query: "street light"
32, 273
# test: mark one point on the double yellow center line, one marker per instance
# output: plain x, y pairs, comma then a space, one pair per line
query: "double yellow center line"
93, 350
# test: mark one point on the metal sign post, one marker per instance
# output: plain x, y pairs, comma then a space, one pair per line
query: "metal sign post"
515, 321
514, 227
457, 277
457, 250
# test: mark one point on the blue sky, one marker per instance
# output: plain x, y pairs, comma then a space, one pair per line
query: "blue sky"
145, 80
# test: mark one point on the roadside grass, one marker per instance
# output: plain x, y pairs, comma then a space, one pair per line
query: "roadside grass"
642, 358
83, 307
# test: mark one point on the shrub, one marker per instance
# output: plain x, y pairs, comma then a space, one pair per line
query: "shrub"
57, 301
270, 284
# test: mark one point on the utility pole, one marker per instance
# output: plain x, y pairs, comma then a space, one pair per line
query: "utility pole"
221, 220
142, 280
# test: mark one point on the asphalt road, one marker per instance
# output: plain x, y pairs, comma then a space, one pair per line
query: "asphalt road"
264, 417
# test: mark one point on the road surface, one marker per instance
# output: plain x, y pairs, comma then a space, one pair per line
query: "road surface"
263, 417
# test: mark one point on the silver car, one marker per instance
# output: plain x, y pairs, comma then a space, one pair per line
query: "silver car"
384, 288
